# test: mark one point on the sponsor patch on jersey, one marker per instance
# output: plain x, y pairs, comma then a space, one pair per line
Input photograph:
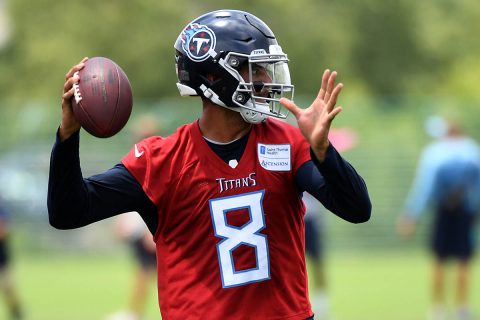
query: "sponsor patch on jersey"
198, 41
274, 157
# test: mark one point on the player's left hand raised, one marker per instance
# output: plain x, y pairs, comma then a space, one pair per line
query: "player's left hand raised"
315, 121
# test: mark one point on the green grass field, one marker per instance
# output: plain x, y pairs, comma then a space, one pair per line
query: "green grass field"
373, 286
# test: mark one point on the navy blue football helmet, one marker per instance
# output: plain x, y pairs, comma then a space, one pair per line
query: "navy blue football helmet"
212, 49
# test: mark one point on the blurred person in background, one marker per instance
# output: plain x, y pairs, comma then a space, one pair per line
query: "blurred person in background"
447, 181
6, 282
343, 139
314, 249
130, 227
222, 195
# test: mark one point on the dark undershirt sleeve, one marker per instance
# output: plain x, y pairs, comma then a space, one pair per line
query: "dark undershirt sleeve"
74, 202
337, 185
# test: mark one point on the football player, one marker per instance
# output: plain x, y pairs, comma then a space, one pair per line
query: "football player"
221, 195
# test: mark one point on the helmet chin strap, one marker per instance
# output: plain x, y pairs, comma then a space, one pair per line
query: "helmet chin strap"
249, 116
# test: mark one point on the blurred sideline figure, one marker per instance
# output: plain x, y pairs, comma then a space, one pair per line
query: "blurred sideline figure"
6, 282
314, 249
130, 227
343, 139
447, 181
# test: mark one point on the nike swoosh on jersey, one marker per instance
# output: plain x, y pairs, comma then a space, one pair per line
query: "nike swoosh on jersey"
138, 153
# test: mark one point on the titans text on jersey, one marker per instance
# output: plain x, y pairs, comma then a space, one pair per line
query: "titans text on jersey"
227, 184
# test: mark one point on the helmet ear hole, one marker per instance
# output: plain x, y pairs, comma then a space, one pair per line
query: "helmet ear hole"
212, 77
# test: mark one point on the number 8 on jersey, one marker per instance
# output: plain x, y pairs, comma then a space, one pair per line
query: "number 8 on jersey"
233, 237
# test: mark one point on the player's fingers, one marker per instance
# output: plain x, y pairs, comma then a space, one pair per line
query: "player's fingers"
333, 98
68, 88
292, 107
76, 68
334, 113
70, 82
323, 88
330, 85
68, 94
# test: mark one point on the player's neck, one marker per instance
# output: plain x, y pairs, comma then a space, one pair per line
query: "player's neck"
222, 125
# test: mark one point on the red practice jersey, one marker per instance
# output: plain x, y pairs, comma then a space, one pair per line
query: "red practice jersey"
230, 241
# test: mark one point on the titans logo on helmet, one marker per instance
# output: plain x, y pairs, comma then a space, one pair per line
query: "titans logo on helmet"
197, 41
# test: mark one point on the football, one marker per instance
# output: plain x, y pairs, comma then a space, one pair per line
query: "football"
102, 100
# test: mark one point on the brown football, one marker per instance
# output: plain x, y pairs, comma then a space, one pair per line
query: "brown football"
103, 100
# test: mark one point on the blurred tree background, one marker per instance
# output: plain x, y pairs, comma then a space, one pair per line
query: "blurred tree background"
401, 61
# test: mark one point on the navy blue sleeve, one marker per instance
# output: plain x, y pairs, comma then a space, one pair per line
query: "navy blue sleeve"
74, 202
336, 184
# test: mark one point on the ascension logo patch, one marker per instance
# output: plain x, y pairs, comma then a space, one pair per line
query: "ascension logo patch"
274, 157
197, 41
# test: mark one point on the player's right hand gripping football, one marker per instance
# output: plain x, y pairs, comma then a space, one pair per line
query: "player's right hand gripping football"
69, 124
